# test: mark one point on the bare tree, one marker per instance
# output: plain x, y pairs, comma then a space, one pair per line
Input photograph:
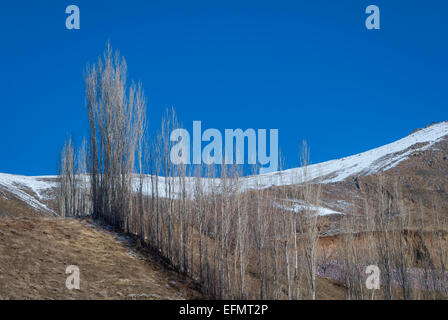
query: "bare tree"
83, 206
67, 181
116, 118
308, 221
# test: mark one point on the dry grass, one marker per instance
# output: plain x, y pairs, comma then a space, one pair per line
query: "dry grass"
35, 251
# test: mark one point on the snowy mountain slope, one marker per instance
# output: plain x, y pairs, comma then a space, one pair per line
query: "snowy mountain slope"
34, 191
379, 159
369, 162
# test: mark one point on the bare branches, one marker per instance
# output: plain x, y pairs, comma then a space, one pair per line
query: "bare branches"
117, 117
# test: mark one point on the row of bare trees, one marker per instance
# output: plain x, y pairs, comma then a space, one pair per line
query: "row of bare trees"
117, 117
236, 242
409, 248
73, 189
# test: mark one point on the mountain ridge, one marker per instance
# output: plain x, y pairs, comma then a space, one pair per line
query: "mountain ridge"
39, 192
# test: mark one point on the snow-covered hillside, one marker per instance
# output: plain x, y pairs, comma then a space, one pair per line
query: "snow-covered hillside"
372, 161
35, 190
31, 190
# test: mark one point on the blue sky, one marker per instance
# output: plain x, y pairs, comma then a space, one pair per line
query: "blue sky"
309, 68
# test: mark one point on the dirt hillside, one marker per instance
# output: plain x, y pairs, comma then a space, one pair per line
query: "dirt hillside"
35, 252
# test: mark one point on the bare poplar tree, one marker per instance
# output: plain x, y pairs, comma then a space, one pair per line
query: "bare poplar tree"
116, 120
83, 206
67, 181
308, 222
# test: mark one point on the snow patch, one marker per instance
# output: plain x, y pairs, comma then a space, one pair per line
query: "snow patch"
21, 185
372, 161
298, 206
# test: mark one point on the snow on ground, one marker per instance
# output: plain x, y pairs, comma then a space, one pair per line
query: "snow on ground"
299, 206
31, 190
372, 161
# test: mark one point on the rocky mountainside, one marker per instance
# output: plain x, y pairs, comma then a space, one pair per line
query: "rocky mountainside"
420, 171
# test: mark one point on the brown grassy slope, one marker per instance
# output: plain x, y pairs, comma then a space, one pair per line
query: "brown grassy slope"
11, 206
35, 251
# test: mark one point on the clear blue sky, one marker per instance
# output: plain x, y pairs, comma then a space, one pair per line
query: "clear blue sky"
309, 68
